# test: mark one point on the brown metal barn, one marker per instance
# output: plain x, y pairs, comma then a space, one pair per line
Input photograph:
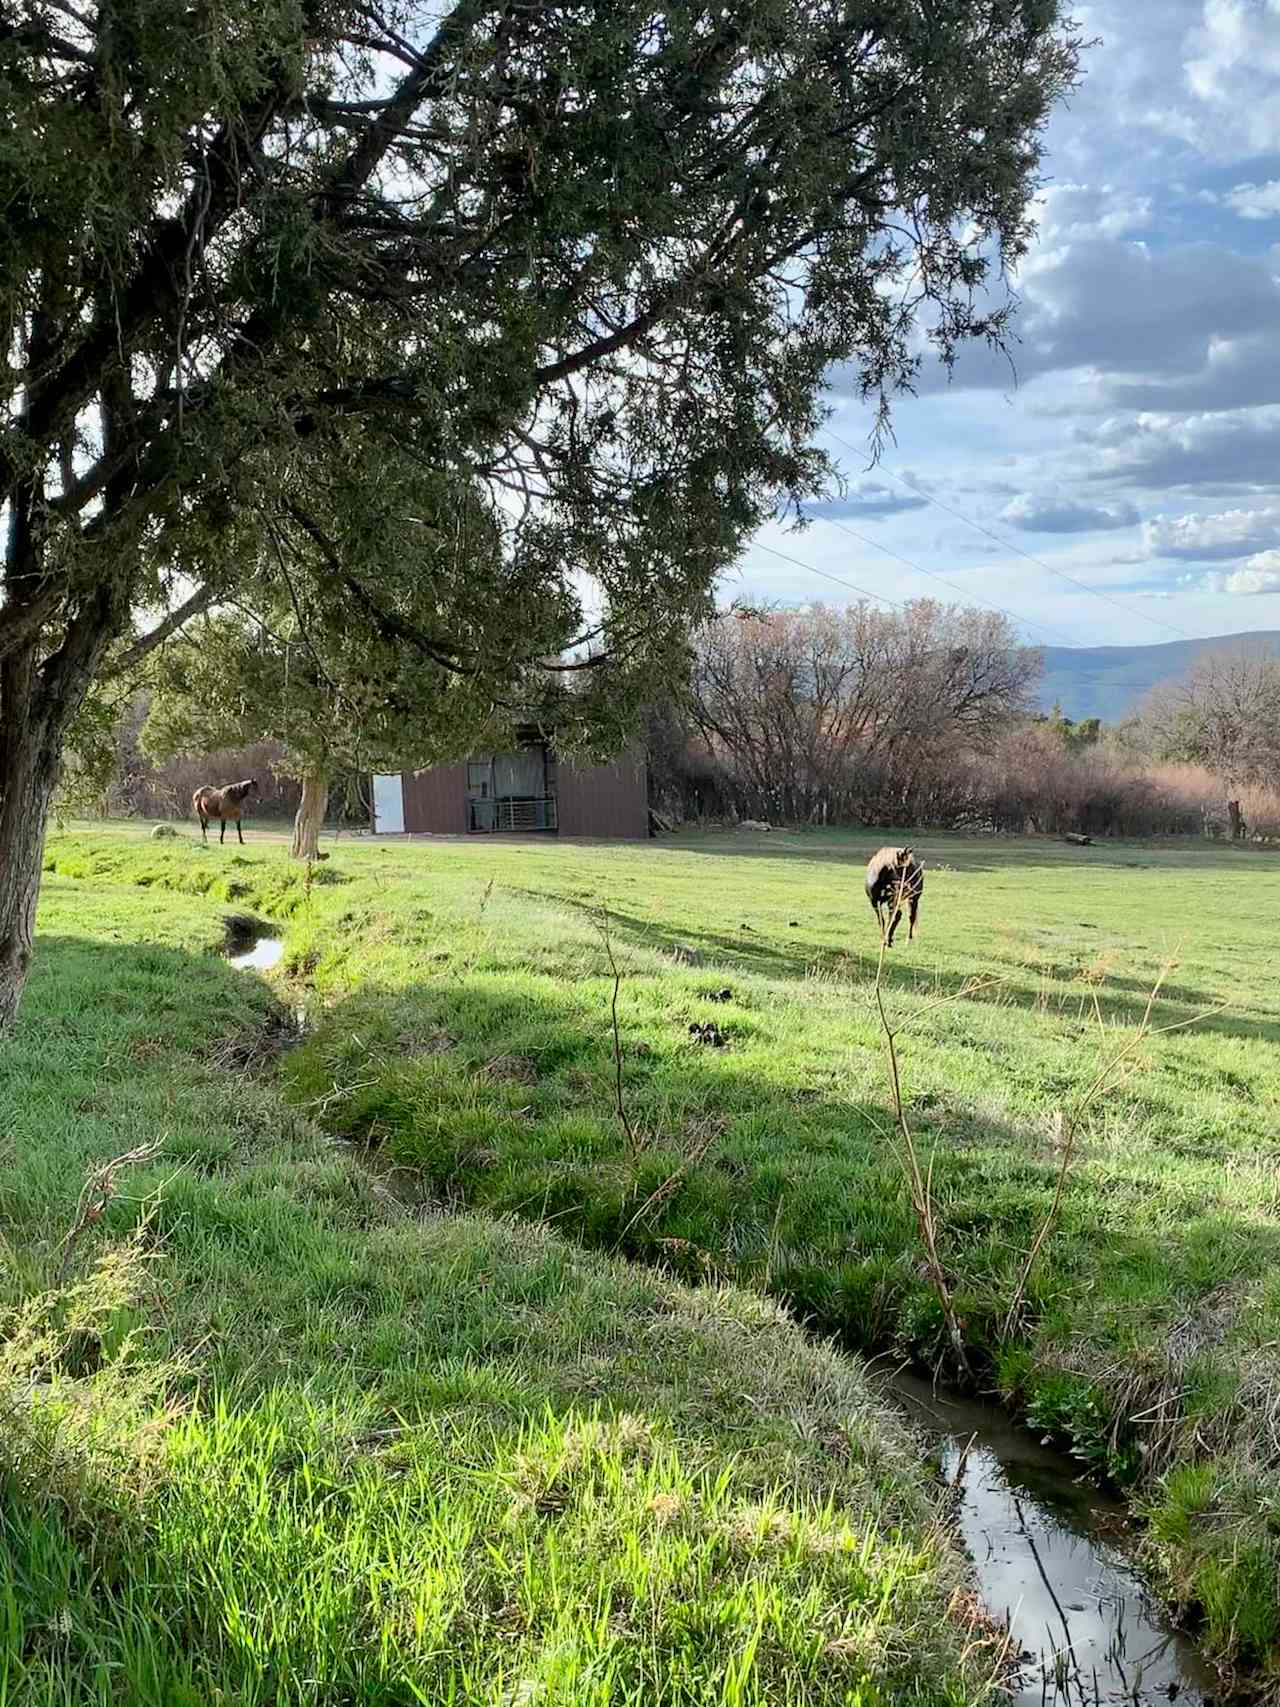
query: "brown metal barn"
523, 792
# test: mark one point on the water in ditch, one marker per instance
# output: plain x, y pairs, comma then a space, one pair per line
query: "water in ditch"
261, 956
1054, 1557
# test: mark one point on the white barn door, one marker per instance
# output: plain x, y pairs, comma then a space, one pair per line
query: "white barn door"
388, 806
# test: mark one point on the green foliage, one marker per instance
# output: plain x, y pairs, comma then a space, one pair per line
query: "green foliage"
1075, 737
466, 1039
1080, 1414
81, 1406
1216, 1539
278, 889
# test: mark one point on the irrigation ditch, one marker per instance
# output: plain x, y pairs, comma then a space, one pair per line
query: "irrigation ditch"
1054, 1557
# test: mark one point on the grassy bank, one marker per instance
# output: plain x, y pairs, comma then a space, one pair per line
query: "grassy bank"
271, 1436
462, 993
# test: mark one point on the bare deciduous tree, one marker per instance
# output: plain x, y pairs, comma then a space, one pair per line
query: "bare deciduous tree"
813, 710
1223, 714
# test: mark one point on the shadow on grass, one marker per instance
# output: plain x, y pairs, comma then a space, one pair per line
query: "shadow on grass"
1120, 998
95, 1065
1124, 999
796, 1192
499, 1094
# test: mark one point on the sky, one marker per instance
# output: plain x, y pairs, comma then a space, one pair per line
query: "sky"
1119, 483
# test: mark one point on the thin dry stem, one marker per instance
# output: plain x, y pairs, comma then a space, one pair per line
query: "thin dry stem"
966, 991
95, 1196
1112, 1070
920, 1184
619, 1101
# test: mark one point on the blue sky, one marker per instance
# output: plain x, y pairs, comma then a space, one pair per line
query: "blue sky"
1137, 450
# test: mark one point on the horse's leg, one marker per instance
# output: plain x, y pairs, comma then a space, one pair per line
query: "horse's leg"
204, 827
915, 904
222, 834
239, 832
894, 923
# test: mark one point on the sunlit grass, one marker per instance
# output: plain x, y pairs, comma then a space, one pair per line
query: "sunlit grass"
460, 994
328, 1447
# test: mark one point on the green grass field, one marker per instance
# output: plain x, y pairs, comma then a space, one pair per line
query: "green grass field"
271, 1436
360, 1374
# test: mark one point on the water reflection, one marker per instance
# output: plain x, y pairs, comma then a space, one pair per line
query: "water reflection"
264, 954
1053, 1556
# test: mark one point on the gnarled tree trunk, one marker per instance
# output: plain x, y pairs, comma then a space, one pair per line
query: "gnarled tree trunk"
310, 817
33, 726
28, 773
41, 693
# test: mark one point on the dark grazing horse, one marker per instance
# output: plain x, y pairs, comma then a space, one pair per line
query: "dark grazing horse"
894, 876
222, 803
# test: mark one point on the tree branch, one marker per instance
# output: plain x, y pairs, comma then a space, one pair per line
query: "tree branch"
147, 643
20, 623
390, 626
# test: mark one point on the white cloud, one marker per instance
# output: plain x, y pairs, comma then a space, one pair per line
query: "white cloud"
1145, 378
1190, 327
1129, 309
1228, 533
1076, 211
1048, 513
1257, 574
1235, 373
1132, 101
1231, 448
870, 499
1256, 201
1233, 70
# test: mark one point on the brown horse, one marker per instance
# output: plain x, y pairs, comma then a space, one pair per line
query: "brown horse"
222, 803
894, 877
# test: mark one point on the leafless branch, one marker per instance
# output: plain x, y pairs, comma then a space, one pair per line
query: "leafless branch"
920, 1183
633, 1143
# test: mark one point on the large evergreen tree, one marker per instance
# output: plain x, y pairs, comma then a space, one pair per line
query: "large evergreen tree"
590, 259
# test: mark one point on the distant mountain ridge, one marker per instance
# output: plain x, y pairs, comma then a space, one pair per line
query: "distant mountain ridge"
1110, 681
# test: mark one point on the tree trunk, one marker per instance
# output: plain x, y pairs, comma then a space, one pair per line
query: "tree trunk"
43, 689
29, 761
38, 704
310, 819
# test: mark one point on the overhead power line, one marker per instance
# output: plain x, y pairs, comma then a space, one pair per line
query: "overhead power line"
1008, 545
883, 598
864, 592
954, 585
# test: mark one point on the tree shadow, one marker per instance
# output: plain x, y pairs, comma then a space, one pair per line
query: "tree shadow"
776, 1183
1124, 999
371, 1322
1121, 998
84, 1060
788, 1183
